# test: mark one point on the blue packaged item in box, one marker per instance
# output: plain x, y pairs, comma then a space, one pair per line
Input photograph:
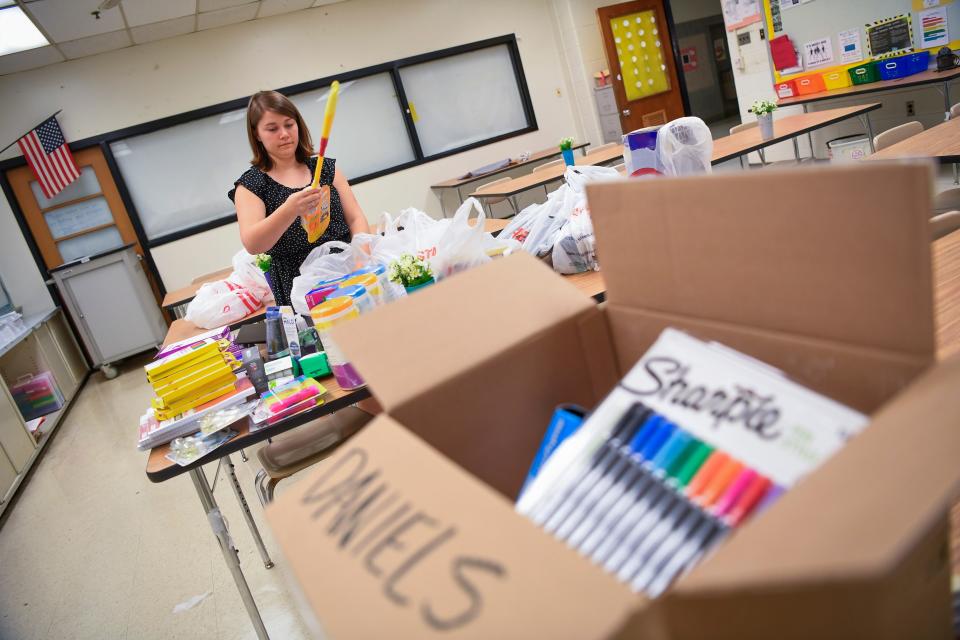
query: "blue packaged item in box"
564, 423
640, 155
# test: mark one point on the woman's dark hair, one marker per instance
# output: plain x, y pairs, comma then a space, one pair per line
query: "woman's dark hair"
260, 103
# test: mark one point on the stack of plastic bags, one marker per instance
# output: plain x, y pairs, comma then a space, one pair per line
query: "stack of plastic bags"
225, 301
448, 245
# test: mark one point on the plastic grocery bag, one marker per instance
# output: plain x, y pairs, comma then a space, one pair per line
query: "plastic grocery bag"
574, 245
461, 246
220, 303
248, 275
330, 260
685, 147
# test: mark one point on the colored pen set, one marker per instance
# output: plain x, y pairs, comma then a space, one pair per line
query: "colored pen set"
653, 500
695, 440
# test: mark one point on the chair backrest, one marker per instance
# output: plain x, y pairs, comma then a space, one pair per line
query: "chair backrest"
944, 224
609, 145
547, 165
743, 127
897, 134
490, 184
955, 111
622, 167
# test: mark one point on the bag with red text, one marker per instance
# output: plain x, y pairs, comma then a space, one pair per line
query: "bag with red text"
220, 303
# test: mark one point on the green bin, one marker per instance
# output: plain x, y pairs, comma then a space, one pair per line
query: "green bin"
864, 73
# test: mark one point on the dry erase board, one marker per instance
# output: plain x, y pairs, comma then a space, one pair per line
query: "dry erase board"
808, 21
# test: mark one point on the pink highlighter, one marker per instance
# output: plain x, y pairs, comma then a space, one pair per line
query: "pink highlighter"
292, 399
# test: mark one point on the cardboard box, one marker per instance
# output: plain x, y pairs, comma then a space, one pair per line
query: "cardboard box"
408, 530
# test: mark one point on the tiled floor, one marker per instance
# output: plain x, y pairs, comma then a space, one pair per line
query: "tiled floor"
93, 549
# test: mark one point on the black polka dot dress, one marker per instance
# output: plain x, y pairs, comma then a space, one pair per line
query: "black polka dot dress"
292, 248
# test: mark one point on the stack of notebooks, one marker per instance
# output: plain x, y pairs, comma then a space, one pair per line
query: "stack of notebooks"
695, 440
191, 377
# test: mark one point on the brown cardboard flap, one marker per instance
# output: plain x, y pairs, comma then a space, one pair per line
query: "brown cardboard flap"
838, 253
861, 377
861, 513
410, 346
388, 539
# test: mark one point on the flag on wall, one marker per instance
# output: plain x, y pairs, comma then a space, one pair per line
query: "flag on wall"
47, 154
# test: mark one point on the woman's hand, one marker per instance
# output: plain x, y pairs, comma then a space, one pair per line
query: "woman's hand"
304, 201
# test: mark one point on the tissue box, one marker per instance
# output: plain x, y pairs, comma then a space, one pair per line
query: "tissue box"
640, 152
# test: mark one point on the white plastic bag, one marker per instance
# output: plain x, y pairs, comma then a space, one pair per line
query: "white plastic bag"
685, 147
248, 275
220, 303
461, 246
574, 244
324, 264
413, 232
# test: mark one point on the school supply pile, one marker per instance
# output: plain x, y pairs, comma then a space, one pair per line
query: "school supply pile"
694, 440
224, 301
191, 377
560, 229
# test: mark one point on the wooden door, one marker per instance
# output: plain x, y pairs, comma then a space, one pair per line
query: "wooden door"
87, 217
639, 50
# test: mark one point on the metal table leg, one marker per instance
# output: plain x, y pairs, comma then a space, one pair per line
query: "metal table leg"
813, 156
267, 562
946, 100
865, 120
230, 555
796, 149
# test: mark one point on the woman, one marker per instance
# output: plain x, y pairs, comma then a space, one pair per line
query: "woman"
272, 194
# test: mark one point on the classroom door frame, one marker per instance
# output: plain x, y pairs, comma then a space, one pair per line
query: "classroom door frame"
625, 108
139, 238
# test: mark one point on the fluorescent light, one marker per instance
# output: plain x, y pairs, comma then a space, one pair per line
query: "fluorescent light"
7, 3
17, 32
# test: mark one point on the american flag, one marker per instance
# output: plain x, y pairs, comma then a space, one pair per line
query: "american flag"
47, 154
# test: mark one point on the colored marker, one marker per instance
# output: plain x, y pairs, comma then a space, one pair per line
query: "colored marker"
733, 492
719, 483
750, 498
707, 533
706, 473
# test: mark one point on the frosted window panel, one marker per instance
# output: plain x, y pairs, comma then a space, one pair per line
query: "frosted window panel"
368, 133
86, 185
179, 177
464, 99
78, 217
89, 244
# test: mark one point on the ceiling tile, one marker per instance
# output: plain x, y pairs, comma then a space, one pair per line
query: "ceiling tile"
161, 30
224, 17
214, 5
140, 12
24, 60
95, 44
276, 7
71, 20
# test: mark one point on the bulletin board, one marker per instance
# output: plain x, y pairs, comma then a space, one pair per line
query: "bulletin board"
810, 21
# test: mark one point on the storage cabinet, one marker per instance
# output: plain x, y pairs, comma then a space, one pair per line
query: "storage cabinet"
16, 441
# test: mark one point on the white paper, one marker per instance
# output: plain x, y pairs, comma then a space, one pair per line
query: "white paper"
818, 53
850, 49
933, 28
930, 3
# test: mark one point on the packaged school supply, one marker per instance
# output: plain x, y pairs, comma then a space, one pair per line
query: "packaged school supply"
191, 377
299, 395
186, 450
36, 395
695, 439
333, 312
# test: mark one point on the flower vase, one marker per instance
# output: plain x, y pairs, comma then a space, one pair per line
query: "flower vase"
568, 157
766, 125
269, 279
420, 285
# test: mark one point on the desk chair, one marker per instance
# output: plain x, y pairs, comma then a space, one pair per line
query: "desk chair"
897, 134
547, 165
944, 224
743, 127
489, 202
305, 446
948, 200
955, 111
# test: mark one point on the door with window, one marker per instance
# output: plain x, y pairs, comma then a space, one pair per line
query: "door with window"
86, 218
639, 49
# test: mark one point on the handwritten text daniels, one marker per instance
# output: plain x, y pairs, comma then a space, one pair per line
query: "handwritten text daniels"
374, 523
667, 379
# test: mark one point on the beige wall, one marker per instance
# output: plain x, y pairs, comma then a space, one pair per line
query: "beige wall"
138, 84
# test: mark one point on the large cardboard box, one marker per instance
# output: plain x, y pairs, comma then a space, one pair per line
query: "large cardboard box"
409, 530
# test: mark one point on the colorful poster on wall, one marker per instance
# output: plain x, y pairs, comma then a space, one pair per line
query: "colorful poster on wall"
817, 53
933, 28
890, 36
689, 57
850, 49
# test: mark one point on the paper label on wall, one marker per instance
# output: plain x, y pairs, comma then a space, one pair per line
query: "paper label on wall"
919, 5
850, 49
818, 53
933, 28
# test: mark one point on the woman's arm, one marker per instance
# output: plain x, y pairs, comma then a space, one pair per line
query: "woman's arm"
258, 231
356, 219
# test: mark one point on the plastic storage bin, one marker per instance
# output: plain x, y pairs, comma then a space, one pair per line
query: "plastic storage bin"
849, 148
894, 68
919, 62
810, 84
836, 79
863, 73
786, 89
37, 395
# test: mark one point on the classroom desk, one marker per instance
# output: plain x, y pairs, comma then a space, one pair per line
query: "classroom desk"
941, 143
946, 264
543, 154
176, 301
921, 79
725, 148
